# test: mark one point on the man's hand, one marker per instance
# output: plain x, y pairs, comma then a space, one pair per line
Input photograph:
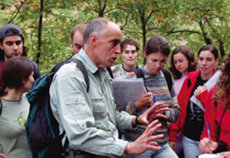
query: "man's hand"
145, 141
155, 111
144, 101
207, 146
3, 155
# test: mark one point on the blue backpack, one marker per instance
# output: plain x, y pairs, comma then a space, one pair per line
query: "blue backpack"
42, 129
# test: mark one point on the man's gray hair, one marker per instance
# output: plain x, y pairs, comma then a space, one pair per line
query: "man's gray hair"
95, 26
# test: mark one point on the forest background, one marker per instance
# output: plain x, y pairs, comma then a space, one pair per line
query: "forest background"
47, 24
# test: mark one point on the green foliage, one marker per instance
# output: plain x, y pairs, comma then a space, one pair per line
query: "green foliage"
187, 22
6, 4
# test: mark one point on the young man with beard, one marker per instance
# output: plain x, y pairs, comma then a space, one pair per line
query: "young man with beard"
12, 44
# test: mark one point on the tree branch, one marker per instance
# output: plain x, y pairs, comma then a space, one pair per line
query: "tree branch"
221, 42
153, 28
149, 16
126, 22
183, 31
109, 10
18, 11
206, 39
102, 7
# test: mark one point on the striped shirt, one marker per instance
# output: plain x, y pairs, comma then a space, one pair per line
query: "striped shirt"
157, 85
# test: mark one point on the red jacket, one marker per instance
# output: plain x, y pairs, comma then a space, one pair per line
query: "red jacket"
214, 113
183, 99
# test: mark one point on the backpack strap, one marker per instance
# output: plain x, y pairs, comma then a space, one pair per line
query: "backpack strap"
110, 71
139, 73
80, 65
168, 78
56, 144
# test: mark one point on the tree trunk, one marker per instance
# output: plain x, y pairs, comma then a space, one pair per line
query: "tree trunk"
143, 25
40, 32
221, 47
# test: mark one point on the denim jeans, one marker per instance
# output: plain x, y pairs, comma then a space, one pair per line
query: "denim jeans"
165, 152
191, 147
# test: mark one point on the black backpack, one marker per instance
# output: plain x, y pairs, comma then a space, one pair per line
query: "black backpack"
42, 129
139, 73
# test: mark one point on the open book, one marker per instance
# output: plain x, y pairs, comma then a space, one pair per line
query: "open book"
126, 91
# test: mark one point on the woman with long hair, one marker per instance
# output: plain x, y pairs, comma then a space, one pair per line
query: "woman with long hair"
182, 62
217, 115
16, 79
